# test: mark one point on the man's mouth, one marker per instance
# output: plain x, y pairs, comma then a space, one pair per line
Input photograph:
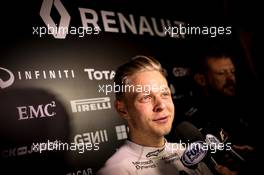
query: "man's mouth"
161, 120
230, 88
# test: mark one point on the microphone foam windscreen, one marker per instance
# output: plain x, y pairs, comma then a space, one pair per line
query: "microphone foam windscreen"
187, 132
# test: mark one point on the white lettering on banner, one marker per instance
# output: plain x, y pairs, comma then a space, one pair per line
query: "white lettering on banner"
146, 25
91, 104
45, 74
180, 71
53, 75
107, 21
19, 151
99, 75
45, 12
114, 22
9, 82
92, 137
87, 171
122, 132
41, 111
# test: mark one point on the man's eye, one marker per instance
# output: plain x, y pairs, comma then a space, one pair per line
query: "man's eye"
220, 73
145, 98
165, 94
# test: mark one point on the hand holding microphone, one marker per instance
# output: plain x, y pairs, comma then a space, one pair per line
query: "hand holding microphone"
212, 140
206, 150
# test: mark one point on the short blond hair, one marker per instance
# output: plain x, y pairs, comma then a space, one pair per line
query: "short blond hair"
137, 64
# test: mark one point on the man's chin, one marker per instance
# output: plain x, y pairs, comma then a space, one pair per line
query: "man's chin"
230, 92
162, 133
165, 131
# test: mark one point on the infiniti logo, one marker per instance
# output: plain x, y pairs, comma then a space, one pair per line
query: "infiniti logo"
9, 82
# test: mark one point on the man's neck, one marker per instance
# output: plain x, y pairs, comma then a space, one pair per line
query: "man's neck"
149, 141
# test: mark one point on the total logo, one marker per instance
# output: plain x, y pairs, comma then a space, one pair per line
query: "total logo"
9, 81
99, 75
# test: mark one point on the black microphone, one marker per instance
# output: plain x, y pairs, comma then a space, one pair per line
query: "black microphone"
197, 150
187, 132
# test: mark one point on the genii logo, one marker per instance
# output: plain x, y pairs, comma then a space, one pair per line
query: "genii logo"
64, 17
193, 154
9, 82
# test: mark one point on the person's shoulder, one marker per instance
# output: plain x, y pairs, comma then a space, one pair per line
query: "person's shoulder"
113, 169
122, 154
117, 164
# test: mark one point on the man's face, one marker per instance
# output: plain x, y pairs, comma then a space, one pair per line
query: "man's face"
150, 112
221, 76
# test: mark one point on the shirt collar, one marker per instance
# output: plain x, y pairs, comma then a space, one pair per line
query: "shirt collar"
146, 151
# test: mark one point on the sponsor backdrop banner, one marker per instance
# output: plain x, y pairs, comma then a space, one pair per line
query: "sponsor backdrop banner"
58, 60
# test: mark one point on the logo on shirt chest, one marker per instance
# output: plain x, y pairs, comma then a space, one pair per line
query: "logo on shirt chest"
154, 153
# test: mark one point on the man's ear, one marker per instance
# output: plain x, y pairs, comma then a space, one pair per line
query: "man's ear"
200, 79
121, 109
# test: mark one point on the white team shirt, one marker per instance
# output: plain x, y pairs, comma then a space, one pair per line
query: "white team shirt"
134, 159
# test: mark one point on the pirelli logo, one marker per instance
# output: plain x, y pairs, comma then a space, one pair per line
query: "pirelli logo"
90, 104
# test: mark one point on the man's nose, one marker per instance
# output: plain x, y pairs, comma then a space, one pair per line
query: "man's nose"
159, 104
230, 76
